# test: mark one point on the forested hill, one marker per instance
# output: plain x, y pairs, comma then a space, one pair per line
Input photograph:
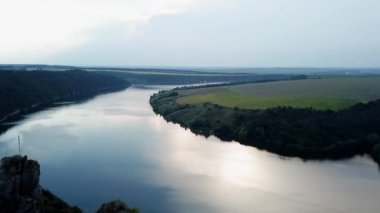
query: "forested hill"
300, 132
22, 90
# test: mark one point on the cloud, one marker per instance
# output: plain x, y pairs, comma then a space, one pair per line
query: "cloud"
191, 32
34, 29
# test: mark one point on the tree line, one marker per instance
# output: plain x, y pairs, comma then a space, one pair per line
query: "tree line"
305, 133
23, 90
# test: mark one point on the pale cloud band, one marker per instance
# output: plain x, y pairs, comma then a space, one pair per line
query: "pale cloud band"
33, 29
191, 32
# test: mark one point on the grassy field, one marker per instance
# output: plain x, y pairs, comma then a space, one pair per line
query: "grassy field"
334, 94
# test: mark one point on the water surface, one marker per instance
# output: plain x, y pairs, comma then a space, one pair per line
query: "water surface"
115, 147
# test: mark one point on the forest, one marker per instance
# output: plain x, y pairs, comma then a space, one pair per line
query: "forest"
21, 91
299, 132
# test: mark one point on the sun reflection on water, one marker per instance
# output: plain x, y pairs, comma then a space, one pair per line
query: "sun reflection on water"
121, 149
237, 165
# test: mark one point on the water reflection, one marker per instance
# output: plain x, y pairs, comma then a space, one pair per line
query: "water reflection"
115, 147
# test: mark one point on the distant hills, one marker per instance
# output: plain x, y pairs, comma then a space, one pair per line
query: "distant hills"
251, 70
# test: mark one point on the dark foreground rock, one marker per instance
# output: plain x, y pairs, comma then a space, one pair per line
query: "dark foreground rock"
20, 191
116, 207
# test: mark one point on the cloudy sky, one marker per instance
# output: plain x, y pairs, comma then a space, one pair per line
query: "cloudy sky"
243, 33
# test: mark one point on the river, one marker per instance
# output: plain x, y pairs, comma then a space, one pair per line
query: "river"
114, 147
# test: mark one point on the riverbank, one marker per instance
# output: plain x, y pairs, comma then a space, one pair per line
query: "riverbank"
25, 92
144, 160
306, 133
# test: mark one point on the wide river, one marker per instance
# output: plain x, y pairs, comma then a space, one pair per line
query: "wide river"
114, 147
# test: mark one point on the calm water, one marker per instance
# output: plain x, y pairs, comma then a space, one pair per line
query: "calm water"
114, 147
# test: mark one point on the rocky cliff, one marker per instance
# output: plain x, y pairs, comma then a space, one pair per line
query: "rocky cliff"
20, 191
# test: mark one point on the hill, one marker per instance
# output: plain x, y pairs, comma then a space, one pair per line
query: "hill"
303, 132
182, 77
21, 91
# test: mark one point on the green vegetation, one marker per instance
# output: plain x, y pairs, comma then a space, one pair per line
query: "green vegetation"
308, 133
322, 94
243, 101
22, 91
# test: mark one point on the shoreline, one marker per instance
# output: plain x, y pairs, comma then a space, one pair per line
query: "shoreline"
76, 96
281, 130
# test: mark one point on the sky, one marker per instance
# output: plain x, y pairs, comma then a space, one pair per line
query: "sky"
191, 33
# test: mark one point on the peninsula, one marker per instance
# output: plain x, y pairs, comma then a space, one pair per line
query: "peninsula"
290, 118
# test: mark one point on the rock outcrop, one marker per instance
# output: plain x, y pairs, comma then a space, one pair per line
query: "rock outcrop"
116, 207
19, 185
20, 191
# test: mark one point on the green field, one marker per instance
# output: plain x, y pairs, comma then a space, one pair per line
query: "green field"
334, 94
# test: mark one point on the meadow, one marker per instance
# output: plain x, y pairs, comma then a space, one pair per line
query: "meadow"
322, 94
